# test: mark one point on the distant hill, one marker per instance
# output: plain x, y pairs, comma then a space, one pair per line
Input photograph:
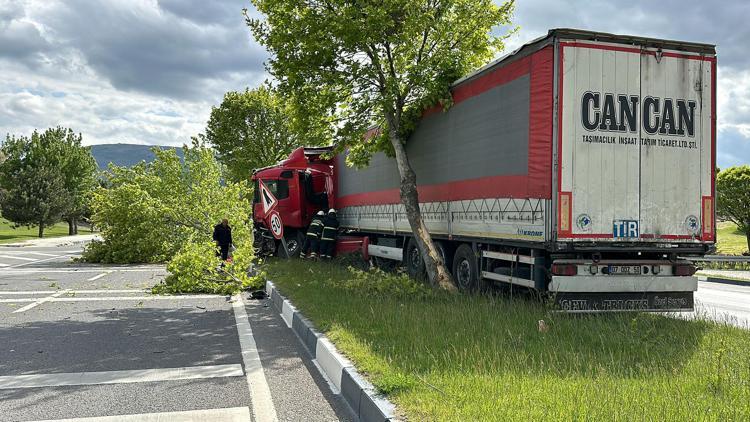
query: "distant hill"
124, 154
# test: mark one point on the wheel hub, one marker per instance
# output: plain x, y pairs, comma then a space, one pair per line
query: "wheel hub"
464, 273
415, 259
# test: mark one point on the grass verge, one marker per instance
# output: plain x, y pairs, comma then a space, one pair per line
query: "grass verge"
10, 235
729, 240
456, 357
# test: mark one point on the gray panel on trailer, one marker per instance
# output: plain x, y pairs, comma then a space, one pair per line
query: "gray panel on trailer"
485, 135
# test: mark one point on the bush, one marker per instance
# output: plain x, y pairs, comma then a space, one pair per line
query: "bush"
196, 269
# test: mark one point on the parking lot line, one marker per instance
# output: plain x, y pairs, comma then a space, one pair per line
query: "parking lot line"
229, 414
42, 254
40, 301
57, 298
97, 277
13, 270
18, 257
37, 261
48, 292
119, 377
260, 393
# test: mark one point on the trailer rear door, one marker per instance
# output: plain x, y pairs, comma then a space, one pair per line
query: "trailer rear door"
635, 144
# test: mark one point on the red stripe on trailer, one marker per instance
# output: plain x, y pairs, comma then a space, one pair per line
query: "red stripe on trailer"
636, 50
540, 124
713, 149
560, 69
537, 182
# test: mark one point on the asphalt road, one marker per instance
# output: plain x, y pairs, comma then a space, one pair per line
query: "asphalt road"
88, 341
724, 303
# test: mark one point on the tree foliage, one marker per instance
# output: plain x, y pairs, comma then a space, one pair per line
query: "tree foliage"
352, 65
45, 178
733, 197
250, 130
164, 211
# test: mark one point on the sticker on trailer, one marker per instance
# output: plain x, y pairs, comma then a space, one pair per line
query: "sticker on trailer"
625, 228
267, 198
275, 224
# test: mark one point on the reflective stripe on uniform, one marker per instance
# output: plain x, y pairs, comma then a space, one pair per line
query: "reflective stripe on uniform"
327, 238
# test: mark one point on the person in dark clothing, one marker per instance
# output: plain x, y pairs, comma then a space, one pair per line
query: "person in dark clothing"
223, 238
312, 240
330, 233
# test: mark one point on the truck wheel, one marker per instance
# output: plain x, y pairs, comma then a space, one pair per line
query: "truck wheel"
294, 241
443, 251
414, 262
465, 269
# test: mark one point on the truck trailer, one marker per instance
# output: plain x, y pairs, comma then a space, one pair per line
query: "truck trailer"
580, 165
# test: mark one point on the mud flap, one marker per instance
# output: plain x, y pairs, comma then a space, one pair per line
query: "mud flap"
614, 302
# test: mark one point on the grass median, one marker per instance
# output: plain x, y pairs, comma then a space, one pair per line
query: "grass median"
730, 241
10, 235
453, 357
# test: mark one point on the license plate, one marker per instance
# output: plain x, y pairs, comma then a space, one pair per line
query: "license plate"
624, 269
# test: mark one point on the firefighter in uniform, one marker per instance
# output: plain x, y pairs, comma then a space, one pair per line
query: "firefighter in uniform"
312, 240
330, 232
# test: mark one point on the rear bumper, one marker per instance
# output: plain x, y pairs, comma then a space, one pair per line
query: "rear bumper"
623, 293
623, 284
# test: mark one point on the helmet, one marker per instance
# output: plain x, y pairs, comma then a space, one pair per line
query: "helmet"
332, 211
321, 212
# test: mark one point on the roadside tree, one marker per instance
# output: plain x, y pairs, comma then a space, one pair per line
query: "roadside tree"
356, 65
249, 130
46, 178
733, 197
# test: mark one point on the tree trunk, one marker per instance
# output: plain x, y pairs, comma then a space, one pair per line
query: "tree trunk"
71, 226
747, 235
41, 229
437, 272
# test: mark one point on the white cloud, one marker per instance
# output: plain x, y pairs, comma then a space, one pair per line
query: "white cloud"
140, 71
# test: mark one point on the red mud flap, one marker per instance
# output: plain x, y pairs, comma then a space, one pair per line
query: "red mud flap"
619, 302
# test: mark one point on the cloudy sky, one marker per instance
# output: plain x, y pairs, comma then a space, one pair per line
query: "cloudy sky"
148, 71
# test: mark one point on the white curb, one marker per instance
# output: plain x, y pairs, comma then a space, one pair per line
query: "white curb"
361, 396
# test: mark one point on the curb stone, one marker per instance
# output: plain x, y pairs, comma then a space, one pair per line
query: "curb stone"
358, 393
713, 279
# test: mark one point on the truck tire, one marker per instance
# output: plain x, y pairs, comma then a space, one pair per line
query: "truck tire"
443, 251
465, 269
414, 262
294, 241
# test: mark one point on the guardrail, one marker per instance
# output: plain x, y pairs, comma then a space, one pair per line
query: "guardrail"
721, 262
718, 258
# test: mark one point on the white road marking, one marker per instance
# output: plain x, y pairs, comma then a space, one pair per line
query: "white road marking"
40, 301
56, 298
42, 254
47, 292
97, 277
12, 270
18, 257
119, 377
230, 414
260, 394
37, 261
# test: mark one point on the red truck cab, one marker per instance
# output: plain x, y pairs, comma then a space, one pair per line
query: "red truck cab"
303, 185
